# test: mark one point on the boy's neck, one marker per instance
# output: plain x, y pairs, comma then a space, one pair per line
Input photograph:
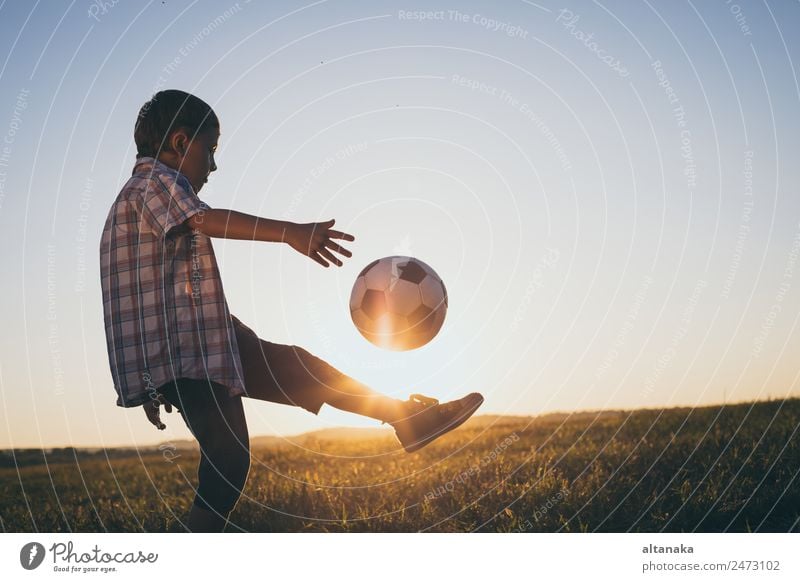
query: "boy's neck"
169, 161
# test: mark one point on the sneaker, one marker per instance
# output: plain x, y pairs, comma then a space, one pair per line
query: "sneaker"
427, 420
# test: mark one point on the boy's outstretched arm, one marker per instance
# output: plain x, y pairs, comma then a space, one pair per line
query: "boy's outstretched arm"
313, 239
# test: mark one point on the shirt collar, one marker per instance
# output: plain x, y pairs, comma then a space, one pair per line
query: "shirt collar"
149, 165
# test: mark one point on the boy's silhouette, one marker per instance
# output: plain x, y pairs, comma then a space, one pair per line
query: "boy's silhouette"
173, 342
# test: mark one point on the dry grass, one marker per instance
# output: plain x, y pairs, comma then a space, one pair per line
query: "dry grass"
705, 469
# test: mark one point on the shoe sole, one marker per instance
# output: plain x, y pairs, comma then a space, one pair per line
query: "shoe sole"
453, 425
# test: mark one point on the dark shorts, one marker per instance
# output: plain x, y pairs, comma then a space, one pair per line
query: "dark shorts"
285, 374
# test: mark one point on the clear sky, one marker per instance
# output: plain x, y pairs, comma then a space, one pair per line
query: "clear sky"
609, 191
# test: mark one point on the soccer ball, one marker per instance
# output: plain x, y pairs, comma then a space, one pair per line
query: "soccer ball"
398, 303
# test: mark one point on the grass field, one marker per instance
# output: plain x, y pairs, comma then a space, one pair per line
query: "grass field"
732, 468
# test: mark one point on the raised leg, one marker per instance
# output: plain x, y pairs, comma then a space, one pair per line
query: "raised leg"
289, 374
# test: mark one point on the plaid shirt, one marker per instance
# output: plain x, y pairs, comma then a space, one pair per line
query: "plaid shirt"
165, 311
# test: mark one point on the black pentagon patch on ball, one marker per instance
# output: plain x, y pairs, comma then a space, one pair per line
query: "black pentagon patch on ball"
420, 318
411, 271
368, 267
374, 303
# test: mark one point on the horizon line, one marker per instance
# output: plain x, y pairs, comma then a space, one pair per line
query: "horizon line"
156, 444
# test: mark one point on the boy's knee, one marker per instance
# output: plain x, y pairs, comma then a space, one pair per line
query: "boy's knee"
240, 465
233, 461
313, 365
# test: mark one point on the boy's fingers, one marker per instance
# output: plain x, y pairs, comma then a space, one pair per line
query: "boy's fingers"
342, 235
157, 420
328, 255
164, 402
319, 259
339, 249
321, 226
154, 417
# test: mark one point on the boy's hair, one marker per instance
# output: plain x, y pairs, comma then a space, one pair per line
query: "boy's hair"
167, 112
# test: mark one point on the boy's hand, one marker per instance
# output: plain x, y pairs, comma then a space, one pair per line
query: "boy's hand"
151, 409
314, 240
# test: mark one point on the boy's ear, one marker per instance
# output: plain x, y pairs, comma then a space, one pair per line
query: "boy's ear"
179, 142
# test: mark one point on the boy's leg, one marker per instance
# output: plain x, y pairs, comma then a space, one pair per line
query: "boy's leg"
291, 375
218, 423
205, 520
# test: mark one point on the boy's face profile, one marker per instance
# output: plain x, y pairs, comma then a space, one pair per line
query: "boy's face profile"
192, 156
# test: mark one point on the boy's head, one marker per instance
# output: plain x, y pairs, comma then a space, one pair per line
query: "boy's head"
181, 131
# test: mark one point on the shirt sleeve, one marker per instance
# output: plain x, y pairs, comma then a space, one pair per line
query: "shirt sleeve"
168, 204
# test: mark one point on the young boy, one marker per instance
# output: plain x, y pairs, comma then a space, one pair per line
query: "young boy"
171, 339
